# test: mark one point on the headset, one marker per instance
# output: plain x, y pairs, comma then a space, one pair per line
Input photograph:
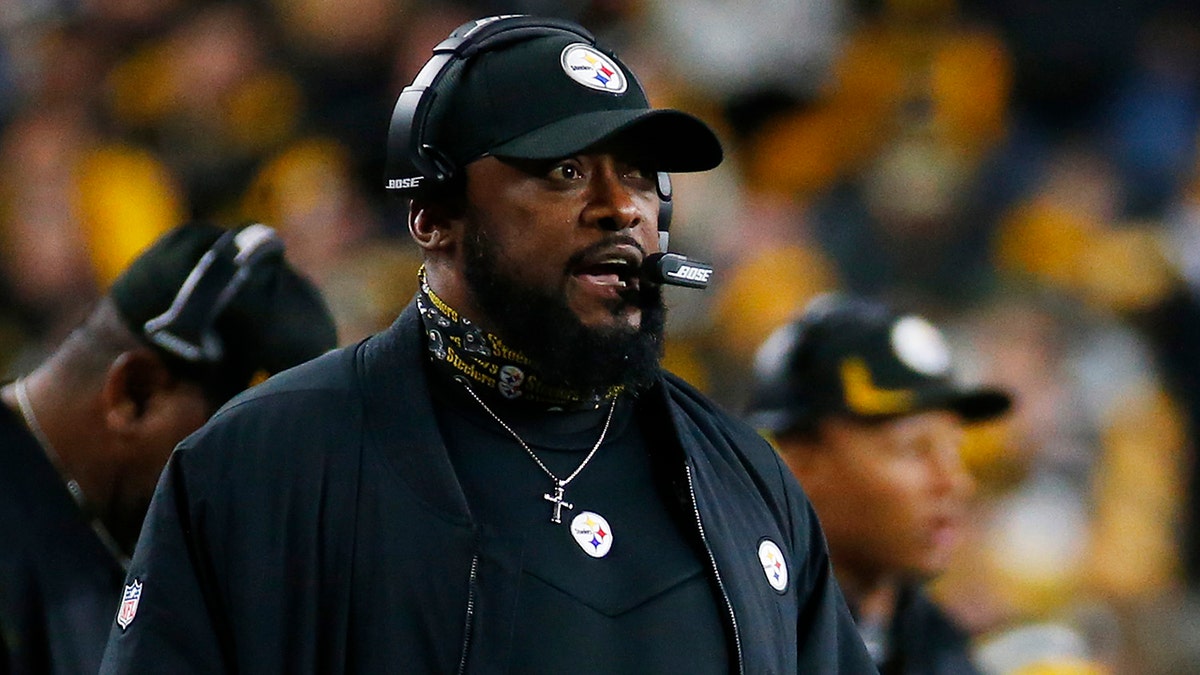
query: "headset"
414, 163
187, 329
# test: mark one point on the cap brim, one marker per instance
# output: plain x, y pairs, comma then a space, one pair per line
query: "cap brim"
673, 140
972, 405
975, 405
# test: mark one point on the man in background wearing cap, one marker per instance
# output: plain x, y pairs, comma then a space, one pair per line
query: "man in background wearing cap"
504, 480
84, 437
862, 406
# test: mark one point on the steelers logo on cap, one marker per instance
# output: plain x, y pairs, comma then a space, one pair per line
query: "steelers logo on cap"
592, 69
774, 566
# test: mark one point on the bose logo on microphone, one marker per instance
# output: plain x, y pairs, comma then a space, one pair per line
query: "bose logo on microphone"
690, 273
404, 183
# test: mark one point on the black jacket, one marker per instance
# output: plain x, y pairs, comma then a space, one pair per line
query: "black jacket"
925, 641
316, 525
59, 586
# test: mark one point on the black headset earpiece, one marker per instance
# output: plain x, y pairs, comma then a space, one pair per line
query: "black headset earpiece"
663, 185
187, 328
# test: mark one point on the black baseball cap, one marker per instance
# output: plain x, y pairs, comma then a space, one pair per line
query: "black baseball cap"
223, 305
849, 356
556, 95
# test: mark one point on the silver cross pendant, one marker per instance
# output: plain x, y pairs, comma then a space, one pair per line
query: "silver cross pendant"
559, 503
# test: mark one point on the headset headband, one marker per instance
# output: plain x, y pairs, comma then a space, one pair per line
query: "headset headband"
187, 328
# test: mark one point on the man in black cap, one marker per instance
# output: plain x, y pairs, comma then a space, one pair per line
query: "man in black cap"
863, 406
504, 480
84, 437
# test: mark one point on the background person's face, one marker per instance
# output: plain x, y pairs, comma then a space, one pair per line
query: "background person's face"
177, 408
891, 496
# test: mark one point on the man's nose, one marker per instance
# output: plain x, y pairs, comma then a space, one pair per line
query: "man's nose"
613, 204
952, 473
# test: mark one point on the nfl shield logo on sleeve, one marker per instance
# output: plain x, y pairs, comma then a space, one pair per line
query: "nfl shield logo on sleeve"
129, 604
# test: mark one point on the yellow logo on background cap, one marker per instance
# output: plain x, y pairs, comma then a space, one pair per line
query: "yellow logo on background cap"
864, 398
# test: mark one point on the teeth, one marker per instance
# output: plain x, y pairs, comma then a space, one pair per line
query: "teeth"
620, 269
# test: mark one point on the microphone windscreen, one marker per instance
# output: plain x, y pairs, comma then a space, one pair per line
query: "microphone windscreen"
676, 270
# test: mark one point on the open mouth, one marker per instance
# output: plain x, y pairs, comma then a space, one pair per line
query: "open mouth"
945, 530
616, 269
613, 272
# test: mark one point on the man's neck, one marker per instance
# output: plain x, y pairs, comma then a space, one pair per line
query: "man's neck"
879, 603
874, 605
68, 432
873, 598
463, 350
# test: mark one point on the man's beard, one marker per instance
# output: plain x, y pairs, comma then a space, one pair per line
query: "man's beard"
564, 352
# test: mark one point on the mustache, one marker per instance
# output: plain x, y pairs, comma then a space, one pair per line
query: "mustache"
606, 243
643, 296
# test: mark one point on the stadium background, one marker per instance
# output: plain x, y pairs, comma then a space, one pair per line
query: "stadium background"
1025, 173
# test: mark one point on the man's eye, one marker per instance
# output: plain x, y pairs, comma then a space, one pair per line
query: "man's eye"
565, 171
642, 177
640, 173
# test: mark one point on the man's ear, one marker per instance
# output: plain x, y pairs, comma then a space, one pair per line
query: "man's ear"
433, 224
130, 384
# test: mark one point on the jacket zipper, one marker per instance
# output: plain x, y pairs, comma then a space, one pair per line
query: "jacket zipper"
462, 661
737, 639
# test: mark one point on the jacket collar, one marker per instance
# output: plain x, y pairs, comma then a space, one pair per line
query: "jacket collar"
399, 419
400, 422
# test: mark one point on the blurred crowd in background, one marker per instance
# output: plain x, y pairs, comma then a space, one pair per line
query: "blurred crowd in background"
1024, 173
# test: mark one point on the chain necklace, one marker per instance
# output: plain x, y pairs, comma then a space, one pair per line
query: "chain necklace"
560, 484
73, 487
